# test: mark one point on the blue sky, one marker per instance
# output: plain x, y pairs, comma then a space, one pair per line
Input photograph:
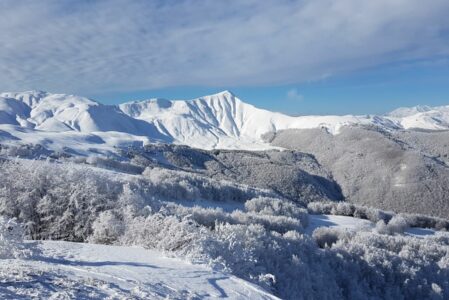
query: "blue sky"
369, 91
297, 57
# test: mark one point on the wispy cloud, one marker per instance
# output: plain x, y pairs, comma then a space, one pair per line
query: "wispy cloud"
94, 46
294, 95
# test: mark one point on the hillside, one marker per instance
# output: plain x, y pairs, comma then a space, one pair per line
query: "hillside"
403, 171
240, 233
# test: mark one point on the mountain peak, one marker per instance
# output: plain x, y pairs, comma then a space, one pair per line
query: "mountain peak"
226, 94
409, 111
31, 93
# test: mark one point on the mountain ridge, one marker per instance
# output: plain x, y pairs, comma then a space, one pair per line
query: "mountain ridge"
217, 121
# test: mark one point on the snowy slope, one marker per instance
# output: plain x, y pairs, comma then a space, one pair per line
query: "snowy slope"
60, 121
422, 117
62, 113
66, 270
224, 121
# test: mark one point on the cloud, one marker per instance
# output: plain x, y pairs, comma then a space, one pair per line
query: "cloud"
294, 95
118, 45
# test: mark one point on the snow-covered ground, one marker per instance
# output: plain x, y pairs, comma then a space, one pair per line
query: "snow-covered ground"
351, 223
64, 270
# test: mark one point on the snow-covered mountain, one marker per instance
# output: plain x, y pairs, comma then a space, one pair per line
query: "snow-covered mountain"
224, 121
217, 121
59, 112
422, 117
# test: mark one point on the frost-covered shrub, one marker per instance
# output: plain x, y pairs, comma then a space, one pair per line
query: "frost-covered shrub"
11, 240
343, 209
358, 265
375, 215
58, 201
62, 200
279, 262
320, 207
349, 209
416, 220
209, 217
167, 233
392, 267
372, 214
179, 185
107, 228
277, 207
27, 151
113, 164
396, 225
290, 264
441, 237
381, 227
327, 236
279, 224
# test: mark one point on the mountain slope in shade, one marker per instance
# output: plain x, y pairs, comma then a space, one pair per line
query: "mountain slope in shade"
222, 121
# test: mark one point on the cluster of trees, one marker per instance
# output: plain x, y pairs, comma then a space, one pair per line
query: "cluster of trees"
55, 201
181, 185
291, 174
330, 264
255, 236
61, 200
349, 210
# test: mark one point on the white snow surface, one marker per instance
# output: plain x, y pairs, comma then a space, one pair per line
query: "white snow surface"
343, 222
422, 117
355, 224
65, 270
60, 121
